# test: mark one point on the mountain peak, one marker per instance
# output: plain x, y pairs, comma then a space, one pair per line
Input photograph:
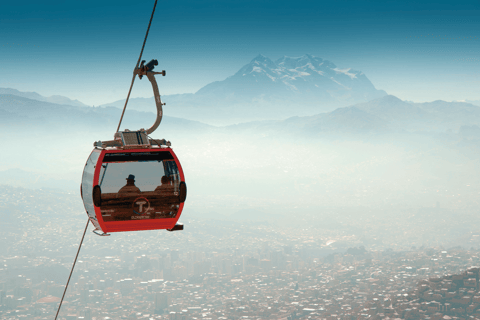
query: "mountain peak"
263, 61
392, 108
307, 60
260, 57
305, 80
387, 101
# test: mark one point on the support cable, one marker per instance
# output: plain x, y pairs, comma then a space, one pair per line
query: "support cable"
138, 62
71, 271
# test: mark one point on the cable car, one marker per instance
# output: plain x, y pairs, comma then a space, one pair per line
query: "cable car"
134, 182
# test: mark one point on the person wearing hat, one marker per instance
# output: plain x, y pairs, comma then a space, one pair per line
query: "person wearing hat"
130, 186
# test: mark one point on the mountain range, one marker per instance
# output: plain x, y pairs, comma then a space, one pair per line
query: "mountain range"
264, 89
311, 93
35, 96
305, 79
387, 114
295, 94
49, 141
384, 114
25, 113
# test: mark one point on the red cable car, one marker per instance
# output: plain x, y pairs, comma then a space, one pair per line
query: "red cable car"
133, 182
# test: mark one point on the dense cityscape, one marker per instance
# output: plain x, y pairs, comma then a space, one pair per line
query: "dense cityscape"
220, 270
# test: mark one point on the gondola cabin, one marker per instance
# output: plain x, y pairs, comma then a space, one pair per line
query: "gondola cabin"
133, 189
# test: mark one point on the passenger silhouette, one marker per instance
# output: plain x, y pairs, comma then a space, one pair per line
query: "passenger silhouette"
130, 186
165, 188
165, 191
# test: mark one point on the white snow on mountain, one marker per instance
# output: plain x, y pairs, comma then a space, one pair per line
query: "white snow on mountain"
302, 75
263, 89
345, 71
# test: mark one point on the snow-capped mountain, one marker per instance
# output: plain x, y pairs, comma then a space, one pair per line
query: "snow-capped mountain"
263, 89
308, 78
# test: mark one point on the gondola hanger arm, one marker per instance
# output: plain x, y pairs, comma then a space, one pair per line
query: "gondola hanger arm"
147, 70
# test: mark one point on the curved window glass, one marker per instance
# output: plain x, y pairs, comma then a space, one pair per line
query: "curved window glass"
87, 181
139, 186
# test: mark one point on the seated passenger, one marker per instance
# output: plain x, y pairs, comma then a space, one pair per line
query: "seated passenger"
130, 186
166, 188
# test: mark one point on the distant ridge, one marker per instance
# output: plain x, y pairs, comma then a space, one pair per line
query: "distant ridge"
382, 115
385, 114
35, 96
474, 102
20, 111
389, 107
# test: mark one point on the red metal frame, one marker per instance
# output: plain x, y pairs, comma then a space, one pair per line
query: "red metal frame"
136, 225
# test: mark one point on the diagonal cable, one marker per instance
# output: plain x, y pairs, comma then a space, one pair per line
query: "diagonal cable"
138, 62
71, 271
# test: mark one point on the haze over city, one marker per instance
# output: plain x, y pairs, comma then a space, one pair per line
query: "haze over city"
330, 150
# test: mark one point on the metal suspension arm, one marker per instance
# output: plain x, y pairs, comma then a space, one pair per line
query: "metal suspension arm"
158, 101
147, 71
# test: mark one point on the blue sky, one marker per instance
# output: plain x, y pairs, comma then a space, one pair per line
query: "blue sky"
87, 50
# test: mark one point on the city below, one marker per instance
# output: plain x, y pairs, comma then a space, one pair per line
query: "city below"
218, 269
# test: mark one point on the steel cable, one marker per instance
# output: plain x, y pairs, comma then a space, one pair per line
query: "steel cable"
71, 271
136, 67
